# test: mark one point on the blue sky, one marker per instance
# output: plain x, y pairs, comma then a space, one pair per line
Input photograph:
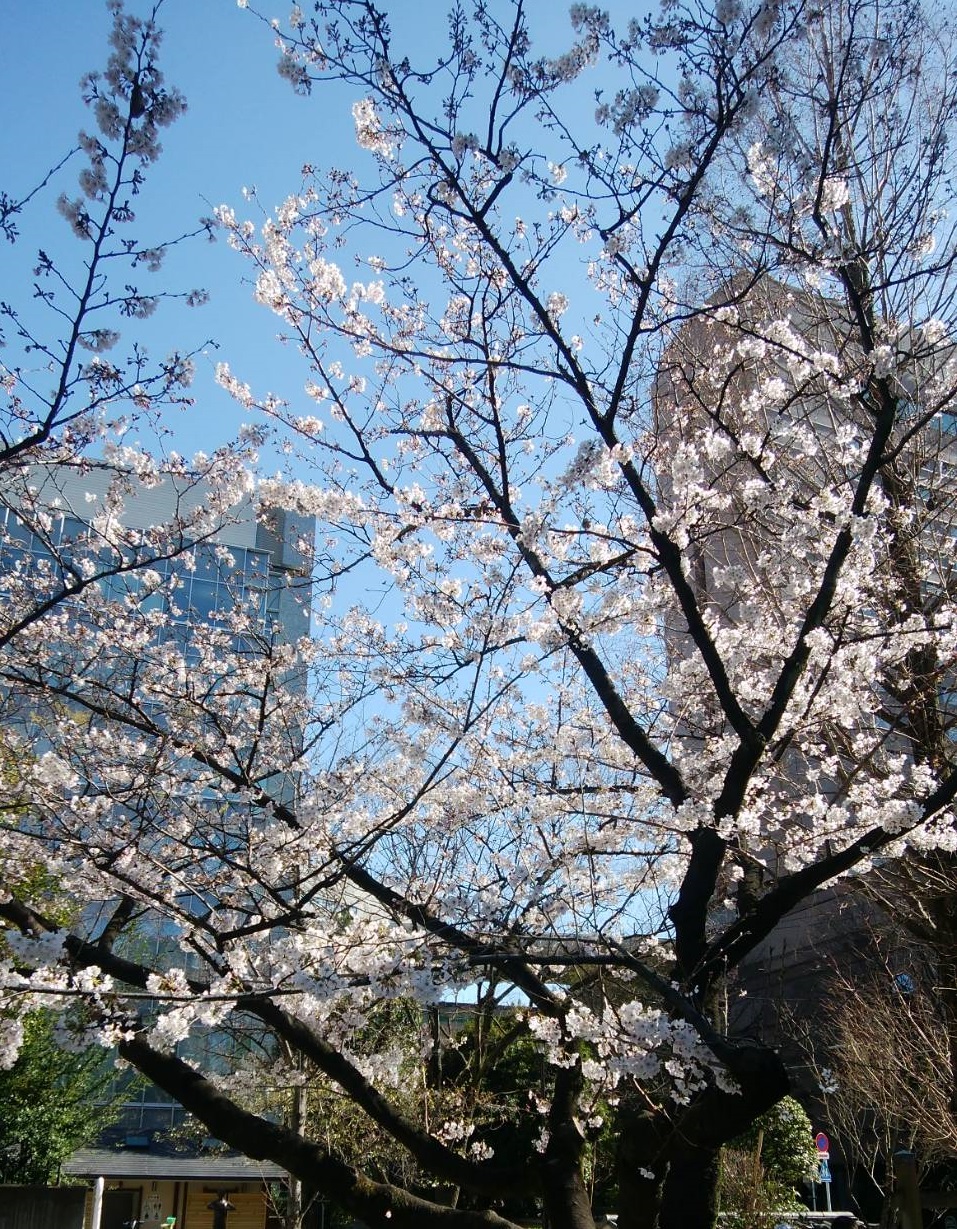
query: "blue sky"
244, 127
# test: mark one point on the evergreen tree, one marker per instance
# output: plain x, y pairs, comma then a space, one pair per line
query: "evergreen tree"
51, 1103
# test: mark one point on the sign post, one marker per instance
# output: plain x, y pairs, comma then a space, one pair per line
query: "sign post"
823, 1146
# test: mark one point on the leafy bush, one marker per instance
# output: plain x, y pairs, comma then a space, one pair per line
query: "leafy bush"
51, 1103
761, 1169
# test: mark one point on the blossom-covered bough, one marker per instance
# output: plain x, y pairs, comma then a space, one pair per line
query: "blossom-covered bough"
632, 449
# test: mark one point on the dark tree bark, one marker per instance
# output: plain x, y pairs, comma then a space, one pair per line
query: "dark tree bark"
690, 1193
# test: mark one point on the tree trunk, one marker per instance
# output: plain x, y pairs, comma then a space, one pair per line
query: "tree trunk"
565, 1199
639, 1198
668, 1164
681, 1194
689, 1198
640, 1186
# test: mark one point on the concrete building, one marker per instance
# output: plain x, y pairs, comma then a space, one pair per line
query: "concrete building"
779, 374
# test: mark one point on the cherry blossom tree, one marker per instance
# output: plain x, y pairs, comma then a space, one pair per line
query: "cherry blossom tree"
632, 445
80, 389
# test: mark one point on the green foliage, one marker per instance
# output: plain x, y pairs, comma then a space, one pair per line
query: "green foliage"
761, 1169
500, 1074
50, 1104
787, 1143
496, 1070
41, 889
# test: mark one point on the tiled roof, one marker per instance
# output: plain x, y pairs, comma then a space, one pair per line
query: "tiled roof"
126, 1163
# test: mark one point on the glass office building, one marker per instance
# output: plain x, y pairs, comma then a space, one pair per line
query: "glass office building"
255, 563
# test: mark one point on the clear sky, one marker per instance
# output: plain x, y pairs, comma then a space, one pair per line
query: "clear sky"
244, 126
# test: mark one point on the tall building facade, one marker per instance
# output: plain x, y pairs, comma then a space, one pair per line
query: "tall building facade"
54, 536
243, 557
765, 408
764, 412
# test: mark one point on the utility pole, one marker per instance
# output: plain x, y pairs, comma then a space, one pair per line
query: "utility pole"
297, 1121
907, 1192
